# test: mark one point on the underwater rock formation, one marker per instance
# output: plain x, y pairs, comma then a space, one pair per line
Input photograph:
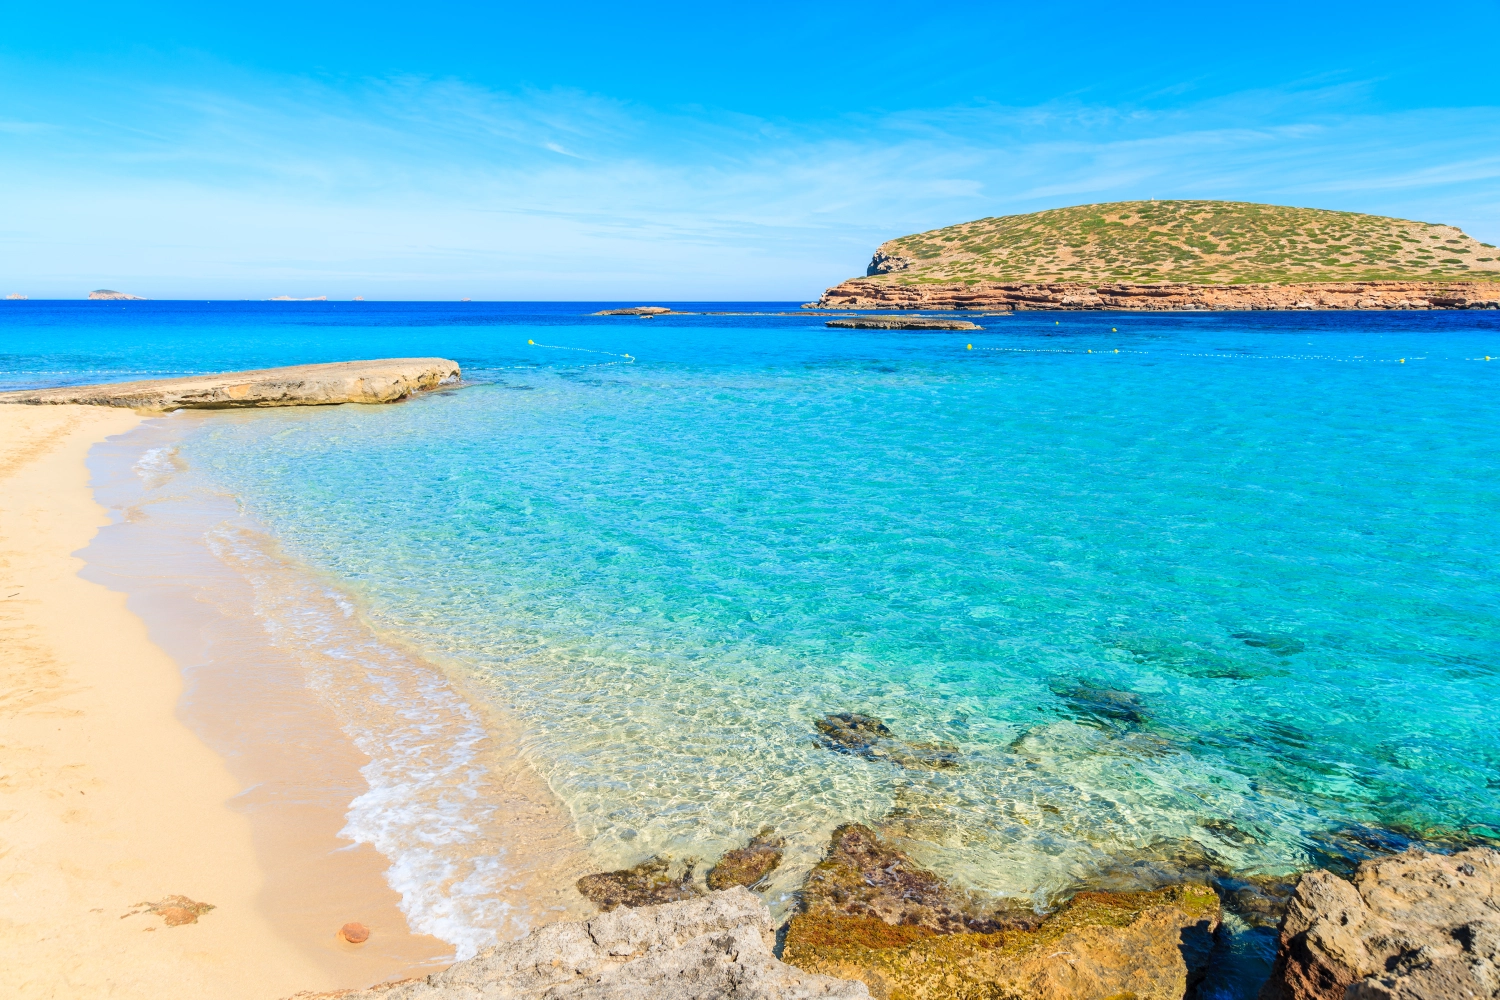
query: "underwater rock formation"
749, 865
1416, 926
872, 914
868, 737
647, 884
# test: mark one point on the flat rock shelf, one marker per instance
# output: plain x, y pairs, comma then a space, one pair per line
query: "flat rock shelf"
383, 381
902, 323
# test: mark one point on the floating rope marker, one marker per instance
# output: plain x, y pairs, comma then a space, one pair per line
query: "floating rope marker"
1403, 361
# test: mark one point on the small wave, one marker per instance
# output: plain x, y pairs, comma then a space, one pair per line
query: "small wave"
429, 808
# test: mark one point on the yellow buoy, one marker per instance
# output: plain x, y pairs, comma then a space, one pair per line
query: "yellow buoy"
970, 347
1091, 350
531, 342
1117, 350
1403, 361
1113, 330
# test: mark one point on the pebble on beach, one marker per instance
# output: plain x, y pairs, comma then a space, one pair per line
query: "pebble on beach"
355, 932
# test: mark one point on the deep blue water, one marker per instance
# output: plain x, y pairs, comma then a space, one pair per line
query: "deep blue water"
1220, 586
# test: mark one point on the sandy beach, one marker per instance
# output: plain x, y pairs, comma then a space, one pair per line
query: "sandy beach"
108, 800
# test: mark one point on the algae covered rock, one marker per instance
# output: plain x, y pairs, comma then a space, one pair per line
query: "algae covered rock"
1416, 926
647, 884
868, 737
749, 865
872, 914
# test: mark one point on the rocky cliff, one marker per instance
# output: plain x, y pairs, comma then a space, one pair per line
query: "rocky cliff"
384, 381
865, 293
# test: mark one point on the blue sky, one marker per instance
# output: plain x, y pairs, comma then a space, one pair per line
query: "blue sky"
679, 151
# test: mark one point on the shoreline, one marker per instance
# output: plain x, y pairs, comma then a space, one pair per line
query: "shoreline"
109, 799
211, 766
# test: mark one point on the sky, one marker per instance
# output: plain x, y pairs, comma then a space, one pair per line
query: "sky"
690, 152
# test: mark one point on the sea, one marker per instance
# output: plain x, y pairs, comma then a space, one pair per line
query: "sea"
1214, 593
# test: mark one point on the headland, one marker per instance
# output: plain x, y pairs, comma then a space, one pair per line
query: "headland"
1179, 255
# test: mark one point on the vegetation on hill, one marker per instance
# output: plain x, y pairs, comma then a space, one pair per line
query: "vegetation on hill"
1201, 242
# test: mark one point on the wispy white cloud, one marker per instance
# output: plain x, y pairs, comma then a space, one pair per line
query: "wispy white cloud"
433, 187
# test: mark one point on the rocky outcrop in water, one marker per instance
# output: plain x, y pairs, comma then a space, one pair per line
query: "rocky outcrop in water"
749, 865
653, 881
1415, 926
716, 946
384, 381
898, 323
872, 914
864, 293
868, 737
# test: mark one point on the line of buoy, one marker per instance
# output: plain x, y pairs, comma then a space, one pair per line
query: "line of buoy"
628, 359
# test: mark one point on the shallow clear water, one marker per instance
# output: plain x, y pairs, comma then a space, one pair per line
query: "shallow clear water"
1229, 592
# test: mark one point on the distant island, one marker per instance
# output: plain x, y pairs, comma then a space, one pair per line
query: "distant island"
1179, 255
109, 294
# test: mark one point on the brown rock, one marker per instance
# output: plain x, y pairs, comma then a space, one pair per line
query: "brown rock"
355, 932
867, 293
749, 865
1415, 926
647, 884
898, 323
873, 915
868, 737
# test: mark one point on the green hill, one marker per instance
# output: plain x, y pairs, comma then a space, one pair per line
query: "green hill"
1200, 242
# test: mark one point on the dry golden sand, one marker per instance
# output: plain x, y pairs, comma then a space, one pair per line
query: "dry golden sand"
107, 800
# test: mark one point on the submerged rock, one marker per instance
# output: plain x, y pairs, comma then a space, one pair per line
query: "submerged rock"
872, 914
868, 737
647, 884
1416, 926
749, 865
1103, 703
716, 946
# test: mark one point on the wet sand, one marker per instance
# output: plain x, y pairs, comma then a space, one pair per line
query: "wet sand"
158, 744
107, 799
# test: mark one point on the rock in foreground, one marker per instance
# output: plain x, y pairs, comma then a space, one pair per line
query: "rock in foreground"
384, 381
716, 946
874, 915
1415, 926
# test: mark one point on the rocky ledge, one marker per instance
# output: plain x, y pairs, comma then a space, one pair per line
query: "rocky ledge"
384, 381
713, 946
902, 323
873, 915
864, 293
1415, 926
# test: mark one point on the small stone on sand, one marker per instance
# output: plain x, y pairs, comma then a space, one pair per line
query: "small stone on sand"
355, 932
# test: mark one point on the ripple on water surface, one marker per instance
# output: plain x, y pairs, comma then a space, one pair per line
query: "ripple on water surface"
1228, 594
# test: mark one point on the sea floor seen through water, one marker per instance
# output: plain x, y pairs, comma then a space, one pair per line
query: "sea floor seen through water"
1215, 590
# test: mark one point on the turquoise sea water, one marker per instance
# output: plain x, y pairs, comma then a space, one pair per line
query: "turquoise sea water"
1219, 586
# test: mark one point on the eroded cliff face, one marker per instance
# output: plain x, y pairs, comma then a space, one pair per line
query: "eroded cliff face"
865, 293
